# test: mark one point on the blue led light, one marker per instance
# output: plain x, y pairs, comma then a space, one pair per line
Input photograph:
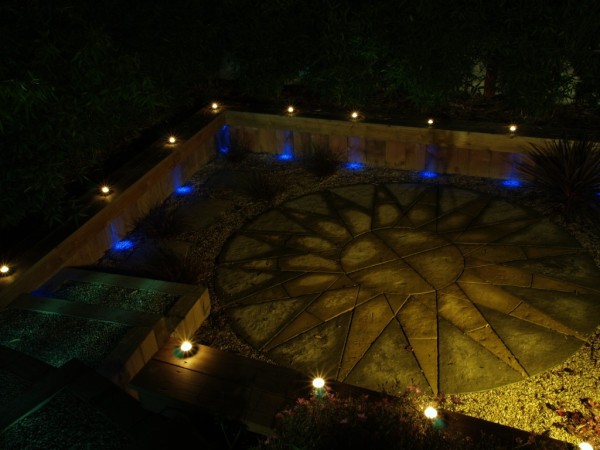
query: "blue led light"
224, 150
429, 174
183, 190
123, 245
511, 183
285, 157
354, 166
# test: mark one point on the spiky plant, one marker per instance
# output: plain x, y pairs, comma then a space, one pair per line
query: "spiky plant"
261, 185
162, 221
322, 161
239, 149
568, 171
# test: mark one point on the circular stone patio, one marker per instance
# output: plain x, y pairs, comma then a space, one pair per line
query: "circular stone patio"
383, 286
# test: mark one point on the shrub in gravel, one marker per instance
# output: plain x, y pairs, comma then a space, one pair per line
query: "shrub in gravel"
568, 171
166, 263
239, 149
161, 222
262, 185
322, 161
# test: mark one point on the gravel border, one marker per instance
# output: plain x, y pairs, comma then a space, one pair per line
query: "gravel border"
57, 339
119, 297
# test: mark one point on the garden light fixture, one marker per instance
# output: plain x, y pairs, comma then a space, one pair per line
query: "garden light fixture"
172, 139
512, 128
430, 122
4, 270
214, 106
186, 346
290, 109
431, 412
105, 189
318, 383
354, 115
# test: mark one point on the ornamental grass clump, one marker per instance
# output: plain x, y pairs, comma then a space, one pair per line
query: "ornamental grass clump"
322, 161
262, 185
568, 172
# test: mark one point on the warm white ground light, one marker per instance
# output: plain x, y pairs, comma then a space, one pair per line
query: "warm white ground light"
429, 122
105, 190
186, 346
354, 114
430, 412
586, 446
214, 106
172, 139
290, 109
4, 269
318, 383
512, 128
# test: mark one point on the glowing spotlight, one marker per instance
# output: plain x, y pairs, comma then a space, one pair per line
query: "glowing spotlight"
429, 174
4, 270
586, 446
290, 109
431, 412
354, 166
285, 157
354, 115
430, 122
186, 346
214, 106
172, 139
123, 245
511, 183
105, 189
183, 190
512, 128
224, 150
318, 383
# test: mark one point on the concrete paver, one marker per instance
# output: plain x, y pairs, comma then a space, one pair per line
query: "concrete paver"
387, 285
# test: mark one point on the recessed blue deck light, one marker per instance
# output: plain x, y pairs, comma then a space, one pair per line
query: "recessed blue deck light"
125, 244
354, 166
224, 150
511, 183
183, 190
285, 157
428, 174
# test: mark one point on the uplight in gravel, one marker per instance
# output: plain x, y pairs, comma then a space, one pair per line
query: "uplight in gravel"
186, 346
431, 412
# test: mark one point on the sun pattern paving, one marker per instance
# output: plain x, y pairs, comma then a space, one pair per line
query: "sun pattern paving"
387, 285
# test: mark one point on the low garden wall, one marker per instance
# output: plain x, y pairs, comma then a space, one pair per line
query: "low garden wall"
400, 147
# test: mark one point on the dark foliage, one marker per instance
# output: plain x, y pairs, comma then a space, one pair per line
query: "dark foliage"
262, 185
238, 150
161, 222
328, 422
322, 161
568, 172
166, 263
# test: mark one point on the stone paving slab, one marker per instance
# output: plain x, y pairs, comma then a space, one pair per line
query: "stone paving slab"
387, 285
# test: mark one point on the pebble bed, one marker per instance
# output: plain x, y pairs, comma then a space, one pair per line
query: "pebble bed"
522, 405
64, 422
143, 300
57, 339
